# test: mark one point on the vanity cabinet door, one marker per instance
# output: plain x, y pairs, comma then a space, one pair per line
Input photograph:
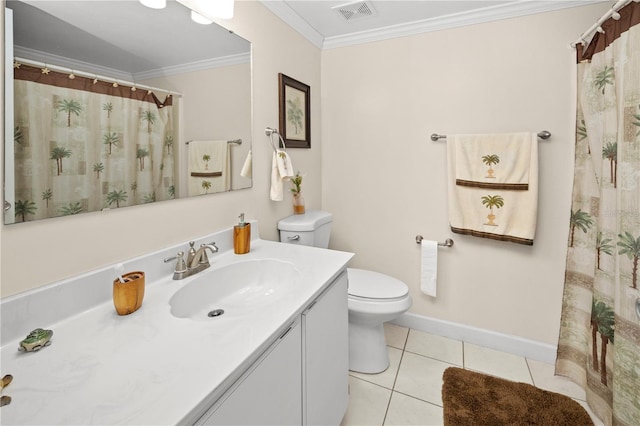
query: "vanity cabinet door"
270, 393
325, 348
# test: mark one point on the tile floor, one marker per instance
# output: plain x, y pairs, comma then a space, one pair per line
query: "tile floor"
409, 391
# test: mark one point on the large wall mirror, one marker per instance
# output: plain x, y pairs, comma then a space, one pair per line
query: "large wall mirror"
111, 104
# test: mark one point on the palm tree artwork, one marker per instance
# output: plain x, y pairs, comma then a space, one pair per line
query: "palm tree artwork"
172, 191
116, 196
108, 107
110, 139
602, 246
46, 196
71, 209
581, 220
149, 198
18, 135
134, 188
150, 118
294, 113
168, 142
141, 153
69, 107
58, 153
610, 152
24, 208
490, 160
491, 201
603, 78
206, 158
602, 322
98, 168
206, 185
631, 247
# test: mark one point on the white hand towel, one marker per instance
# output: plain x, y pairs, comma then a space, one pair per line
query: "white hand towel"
247, 168
429, 271
281, 170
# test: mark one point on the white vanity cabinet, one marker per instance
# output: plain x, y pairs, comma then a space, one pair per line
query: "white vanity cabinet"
325, 350
302, 378
269, 393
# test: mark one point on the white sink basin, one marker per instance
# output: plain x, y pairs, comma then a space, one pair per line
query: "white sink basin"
238, 288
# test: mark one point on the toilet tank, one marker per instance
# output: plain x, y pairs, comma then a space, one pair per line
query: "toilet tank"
310, 229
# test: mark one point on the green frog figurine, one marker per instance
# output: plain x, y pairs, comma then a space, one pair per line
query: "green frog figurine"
36, 340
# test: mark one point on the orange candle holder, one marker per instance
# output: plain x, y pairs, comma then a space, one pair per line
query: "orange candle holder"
127, 296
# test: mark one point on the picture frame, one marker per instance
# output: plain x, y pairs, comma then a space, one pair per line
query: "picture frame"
295, 112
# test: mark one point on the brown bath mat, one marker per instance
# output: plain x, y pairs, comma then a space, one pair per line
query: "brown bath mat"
475, 399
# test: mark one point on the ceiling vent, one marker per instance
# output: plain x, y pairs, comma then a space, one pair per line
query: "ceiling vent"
355, 10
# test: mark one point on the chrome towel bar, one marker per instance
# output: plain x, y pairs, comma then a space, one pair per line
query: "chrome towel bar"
447, 243
542, 135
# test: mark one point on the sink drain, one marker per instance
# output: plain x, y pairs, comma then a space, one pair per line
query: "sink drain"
215, 313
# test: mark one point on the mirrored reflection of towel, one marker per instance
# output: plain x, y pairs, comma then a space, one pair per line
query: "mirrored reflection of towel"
281, 170
247, 167
208, 167
499, 214
494, 161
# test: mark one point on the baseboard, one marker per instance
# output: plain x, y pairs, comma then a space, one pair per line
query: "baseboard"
490, 339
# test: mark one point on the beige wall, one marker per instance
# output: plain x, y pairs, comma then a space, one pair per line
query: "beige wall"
384, 179
41, 252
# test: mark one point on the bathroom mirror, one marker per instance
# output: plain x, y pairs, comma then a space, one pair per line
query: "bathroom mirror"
111, 104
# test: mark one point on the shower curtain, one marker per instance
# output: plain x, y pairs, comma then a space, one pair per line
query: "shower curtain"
599, 342
84, 145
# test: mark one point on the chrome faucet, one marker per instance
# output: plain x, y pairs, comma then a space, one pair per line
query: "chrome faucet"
197, 260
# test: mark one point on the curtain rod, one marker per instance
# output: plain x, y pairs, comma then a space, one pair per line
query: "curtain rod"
611, 13
94, 76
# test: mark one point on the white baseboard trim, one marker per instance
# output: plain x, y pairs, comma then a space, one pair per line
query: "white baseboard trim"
531, 349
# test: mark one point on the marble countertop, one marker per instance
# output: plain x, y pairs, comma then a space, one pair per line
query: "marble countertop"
150, 367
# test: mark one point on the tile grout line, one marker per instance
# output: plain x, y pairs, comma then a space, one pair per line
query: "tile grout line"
395, 378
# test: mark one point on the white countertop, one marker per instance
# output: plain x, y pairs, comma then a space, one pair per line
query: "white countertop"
150, 367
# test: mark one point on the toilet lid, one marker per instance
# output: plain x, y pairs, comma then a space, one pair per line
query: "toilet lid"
374, 285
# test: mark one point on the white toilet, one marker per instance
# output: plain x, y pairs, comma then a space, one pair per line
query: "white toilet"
374, 298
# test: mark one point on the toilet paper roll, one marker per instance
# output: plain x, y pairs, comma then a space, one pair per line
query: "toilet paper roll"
429, 266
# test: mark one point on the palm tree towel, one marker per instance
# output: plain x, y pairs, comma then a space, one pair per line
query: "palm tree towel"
208, 167
494, 161
490, 212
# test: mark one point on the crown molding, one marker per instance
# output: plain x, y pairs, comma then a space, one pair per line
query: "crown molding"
493, 13
61, 61
206, 64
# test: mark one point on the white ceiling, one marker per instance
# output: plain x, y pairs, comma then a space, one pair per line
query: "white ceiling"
326, 28
120, 39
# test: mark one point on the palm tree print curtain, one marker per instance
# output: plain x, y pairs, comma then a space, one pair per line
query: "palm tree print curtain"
84, 145
599, 343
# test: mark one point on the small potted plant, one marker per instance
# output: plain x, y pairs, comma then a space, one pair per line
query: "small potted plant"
298, 200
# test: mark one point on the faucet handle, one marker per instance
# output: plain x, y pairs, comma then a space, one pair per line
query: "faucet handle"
192, 253
181, 266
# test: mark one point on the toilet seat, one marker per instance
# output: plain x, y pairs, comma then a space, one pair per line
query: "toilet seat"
369, 285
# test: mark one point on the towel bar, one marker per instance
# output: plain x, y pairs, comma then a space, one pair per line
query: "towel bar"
235, 142
447, 243
542, 135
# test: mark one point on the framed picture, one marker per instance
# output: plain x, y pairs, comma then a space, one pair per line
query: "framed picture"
295, 112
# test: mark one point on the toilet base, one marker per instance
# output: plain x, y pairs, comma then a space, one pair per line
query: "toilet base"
367, 348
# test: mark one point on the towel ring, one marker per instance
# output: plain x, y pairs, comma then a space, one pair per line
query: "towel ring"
269, 131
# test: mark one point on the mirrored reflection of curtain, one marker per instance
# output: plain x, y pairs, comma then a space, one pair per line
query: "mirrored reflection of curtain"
599, 343
83, 145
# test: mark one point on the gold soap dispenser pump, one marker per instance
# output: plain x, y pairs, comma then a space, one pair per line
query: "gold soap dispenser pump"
242, 236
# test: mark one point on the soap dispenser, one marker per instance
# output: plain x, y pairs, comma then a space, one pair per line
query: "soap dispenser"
241, 236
